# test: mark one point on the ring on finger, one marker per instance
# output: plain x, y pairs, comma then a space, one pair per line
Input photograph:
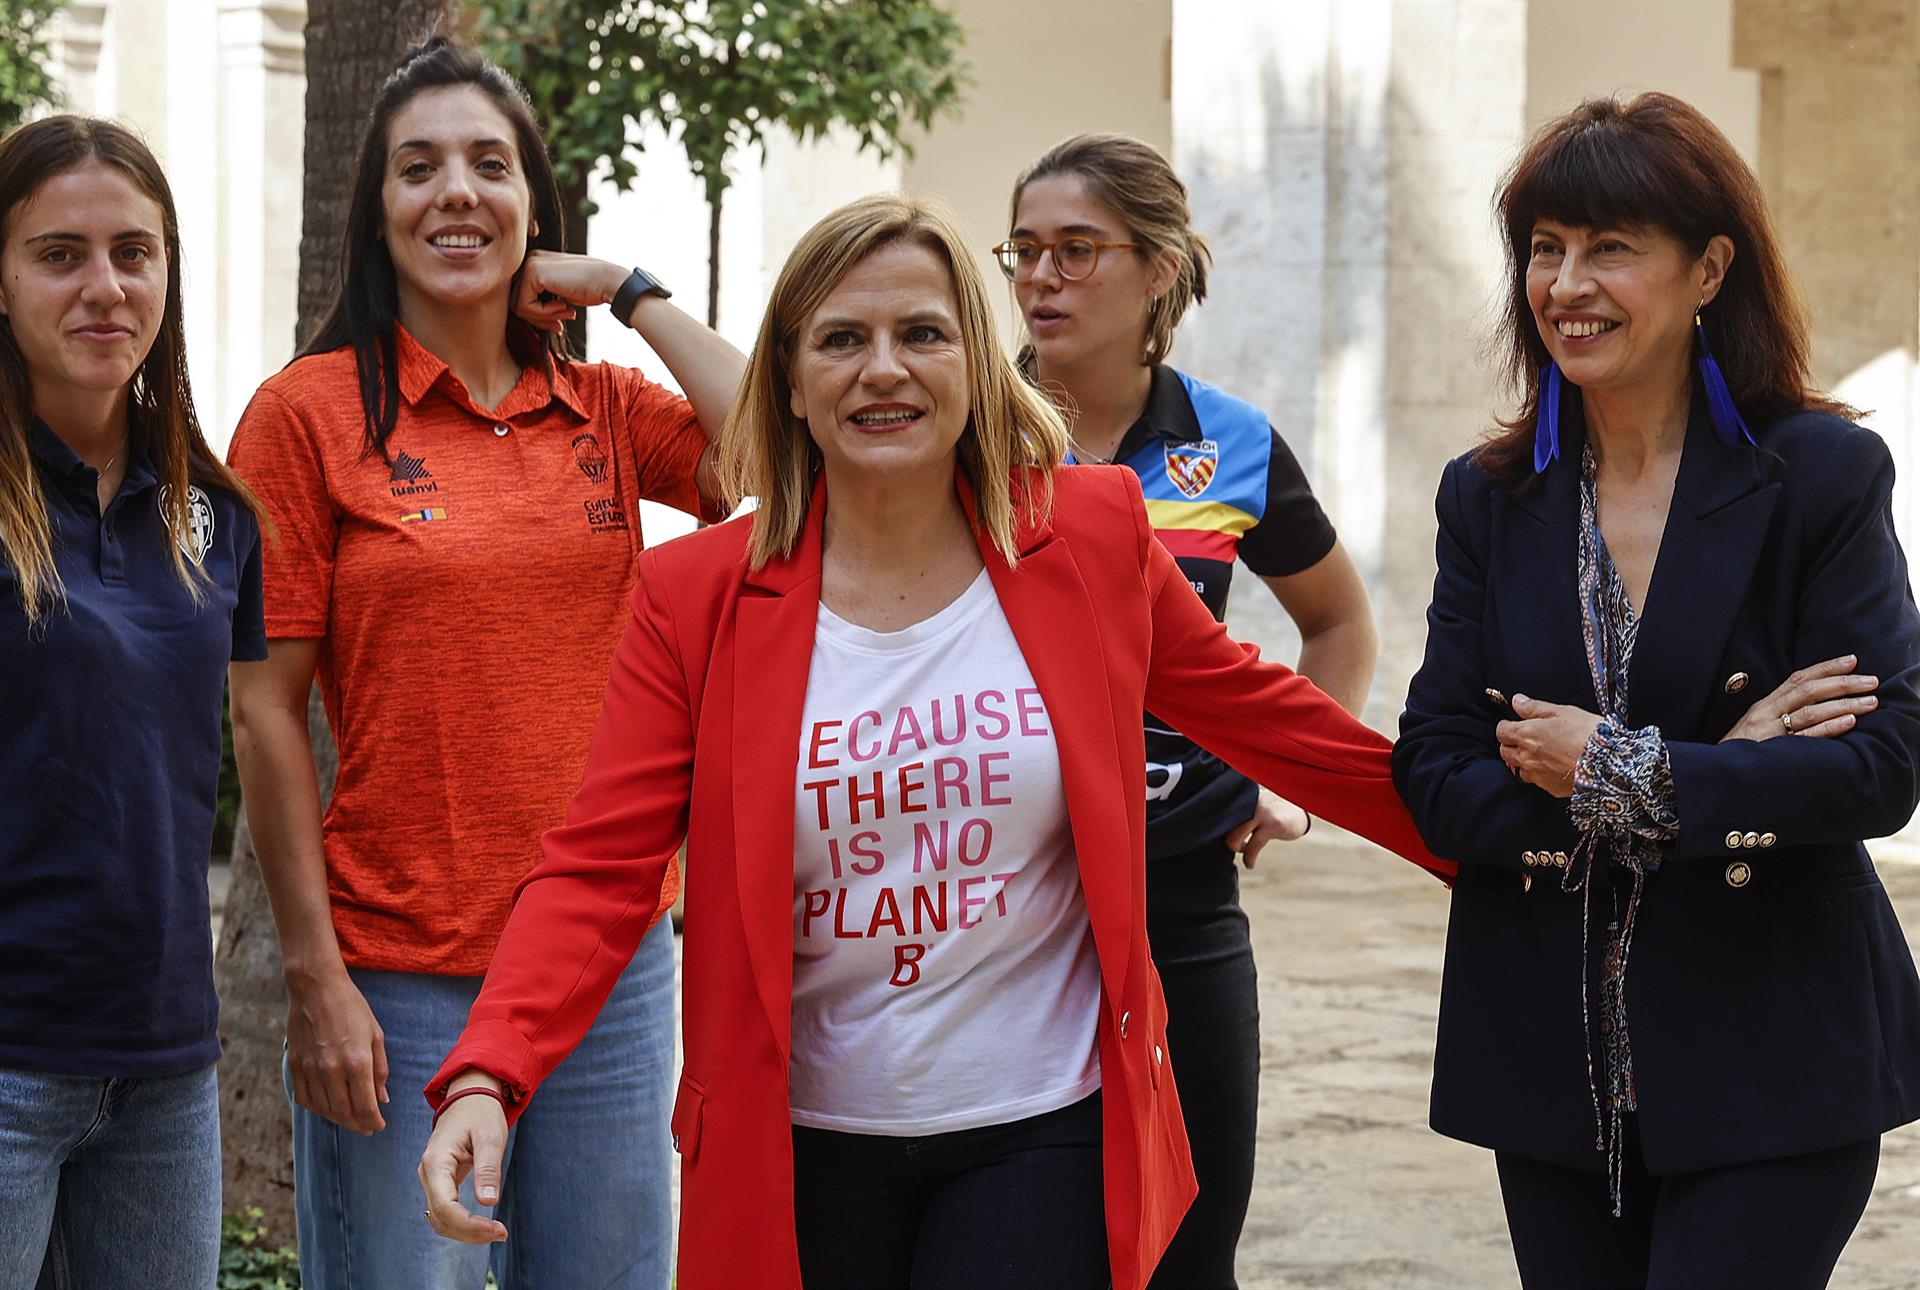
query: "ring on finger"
1786, 722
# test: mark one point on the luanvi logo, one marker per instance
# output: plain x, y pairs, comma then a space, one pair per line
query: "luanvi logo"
410, 476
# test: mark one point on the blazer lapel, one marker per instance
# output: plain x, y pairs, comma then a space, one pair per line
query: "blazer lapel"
1535, 576
775, 621
1716, 527
1051, 614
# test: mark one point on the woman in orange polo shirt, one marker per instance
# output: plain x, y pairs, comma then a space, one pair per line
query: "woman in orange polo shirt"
456, 506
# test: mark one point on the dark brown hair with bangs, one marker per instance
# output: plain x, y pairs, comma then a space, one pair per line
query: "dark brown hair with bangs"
1652, 162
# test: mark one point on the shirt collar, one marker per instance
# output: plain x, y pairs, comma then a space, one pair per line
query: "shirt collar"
539, 385
64, 464
1168, 415
52, 450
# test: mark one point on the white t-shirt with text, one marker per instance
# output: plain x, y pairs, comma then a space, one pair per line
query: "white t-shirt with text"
944, 974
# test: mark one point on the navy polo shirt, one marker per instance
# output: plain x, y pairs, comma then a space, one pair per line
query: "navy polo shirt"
109, 760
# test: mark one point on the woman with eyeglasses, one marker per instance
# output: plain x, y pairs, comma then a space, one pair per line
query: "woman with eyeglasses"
1105, 263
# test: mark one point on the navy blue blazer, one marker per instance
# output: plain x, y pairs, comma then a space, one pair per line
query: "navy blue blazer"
1772, 1000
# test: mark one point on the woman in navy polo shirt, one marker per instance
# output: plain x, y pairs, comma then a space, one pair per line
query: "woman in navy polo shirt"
1105, 263
129, 578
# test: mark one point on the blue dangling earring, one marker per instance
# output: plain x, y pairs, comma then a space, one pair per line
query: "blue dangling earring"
1727, 422
1546, 422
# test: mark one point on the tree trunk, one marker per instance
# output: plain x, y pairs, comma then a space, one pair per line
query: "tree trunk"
351, 45
573, 201
256, 1131
713, 258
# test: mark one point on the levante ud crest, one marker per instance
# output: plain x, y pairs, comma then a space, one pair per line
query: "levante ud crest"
1191, 465
195, 542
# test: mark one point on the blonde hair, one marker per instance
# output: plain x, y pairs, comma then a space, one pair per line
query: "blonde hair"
1136, 183
1012, 430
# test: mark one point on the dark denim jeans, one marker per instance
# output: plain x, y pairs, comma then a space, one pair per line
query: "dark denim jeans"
1014, 1206
109, 1184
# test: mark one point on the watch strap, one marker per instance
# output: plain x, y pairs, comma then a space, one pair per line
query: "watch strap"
639, 283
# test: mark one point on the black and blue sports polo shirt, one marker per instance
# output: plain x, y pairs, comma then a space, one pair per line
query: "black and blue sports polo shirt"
109, 760
1220, 483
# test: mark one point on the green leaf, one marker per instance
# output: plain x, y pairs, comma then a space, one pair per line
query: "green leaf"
25, 84
715, 75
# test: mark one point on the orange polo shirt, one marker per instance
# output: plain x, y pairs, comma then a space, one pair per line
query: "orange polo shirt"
468, 596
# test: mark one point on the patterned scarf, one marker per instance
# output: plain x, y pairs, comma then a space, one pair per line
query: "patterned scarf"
1623, 805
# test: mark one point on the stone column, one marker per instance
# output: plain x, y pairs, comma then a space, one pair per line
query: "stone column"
192, 121
263, 102
1341, 161
78, 33
1839, 142
1456, 120
1251, 140
1250, 125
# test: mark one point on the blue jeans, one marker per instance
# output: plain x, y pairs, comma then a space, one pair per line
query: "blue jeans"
585, 1192
109, 1184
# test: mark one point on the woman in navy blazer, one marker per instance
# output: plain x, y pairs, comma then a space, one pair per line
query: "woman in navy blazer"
1677, 1003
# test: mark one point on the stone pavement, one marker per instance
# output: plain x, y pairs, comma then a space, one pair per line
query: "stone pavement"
1354, 1192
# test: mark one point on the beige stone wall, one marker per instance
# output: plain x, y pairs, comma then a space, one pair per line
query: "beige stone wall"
1839, 139
1041, 72
1577, 49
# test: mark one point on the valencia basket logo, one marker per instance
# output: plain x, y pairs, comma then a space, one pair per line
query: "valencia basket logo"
587, 455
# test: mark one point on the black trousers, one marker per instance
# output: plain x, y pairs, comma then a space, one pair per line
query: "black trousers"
1016, 1206
1204, 952
1764, 1225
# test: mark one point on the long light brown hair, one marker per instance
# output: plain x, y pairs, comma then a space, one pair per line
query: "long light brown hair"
1012, 430
1653, 161
1135, 182
160, 393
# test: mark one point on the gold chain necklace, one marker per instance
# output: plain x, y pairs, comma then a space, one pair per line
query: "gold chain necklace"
116, 456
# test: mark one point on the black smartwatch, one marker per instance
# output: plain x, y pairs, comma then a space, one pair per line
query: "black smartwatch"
639, 283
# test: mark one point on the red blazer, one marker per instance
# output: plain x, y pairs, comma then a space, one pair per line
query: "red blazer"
700, 740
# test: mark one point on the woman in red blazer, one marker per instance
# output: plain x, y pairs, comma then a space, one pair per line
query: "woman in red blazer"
899, 732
